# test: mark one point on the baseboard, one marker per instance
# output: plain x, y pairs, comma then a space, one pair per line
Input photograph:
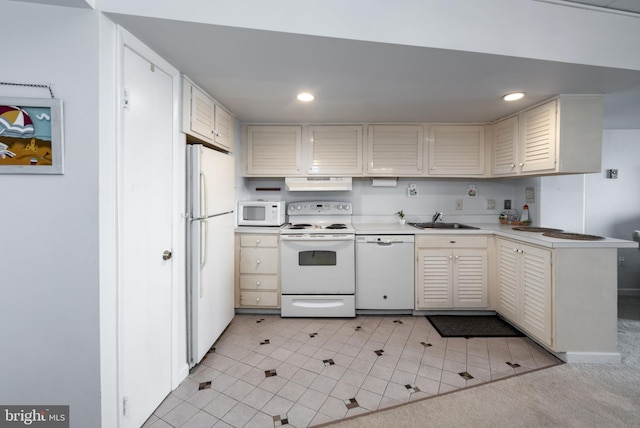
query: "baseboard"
182, 374
590, 357
628, 291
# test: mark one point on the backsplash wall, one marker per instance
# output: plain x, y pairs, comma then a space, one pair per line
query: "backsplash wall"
381, 203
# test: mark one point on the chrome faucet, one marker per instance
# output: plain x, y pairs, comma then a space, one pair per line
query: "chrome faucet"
437, 216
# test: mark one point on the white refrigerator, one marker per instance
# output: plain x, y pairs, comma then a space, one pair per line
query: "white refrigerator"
210, 248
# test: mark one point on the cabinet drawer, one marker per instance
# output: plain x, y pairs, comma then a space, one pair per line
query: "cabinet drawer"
257, 298
256, 241
259, 282
259, 260
451, 241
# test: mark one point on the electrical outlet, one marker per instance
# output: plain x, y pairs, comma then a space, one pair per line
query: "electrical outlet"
620, 260
507, 204
458, 204
491, 204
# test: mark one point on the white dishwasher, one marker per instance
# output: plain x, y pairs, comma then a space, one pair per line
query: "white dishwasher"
385, 266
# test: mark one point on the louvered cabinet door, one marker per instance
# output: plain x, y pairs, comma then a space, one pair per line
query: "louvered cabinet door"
470, 278
273, 151
395, 150
538, 139
434, 279
508, 279
505, 146
335, 150
456, 150
223, 129
536, 293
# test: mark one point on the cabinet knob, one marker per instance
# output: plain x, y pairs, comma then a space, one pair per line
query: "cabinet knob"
521, 164
257, 241
257, 262
257, 283
513, 165
257, 299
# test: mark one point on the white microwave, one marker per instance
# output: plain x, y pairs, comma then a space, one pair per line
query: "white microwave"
261, 213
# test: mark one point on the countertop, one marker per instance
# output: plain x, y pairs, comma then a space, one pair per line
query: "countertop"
505, 231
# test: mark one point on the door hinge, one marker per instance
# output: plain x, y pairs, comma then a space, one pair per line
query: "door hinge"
125, 406
125, 99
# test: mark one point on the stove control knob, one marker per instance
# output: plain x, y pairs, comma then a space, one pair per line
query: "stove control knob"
298, 207
340, 206
346, 207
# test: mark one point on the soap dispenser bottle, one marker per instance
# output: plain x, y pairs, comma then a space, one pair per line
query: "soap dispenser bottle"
525, 214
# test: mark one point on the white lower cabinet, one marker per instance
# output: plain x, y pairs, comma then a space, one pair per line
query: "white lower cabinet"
257, 271
524, 287
451, 272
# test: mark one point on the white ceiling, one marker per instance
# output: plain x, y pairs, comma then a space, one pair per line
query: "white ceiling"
256, 74
623, 5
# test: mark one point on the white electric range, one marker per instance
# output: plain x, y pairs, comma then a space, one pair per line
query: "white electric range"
317, 260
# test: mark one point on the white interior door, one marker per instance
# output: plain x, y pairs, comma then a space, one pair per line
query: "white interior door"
145, 291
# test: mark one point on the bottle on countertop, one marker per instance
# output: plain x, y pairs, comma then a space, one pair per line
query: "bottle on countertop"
525, 214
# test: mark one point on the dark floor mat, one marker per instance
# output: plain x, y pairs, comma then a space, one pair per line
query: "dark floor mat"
472, 326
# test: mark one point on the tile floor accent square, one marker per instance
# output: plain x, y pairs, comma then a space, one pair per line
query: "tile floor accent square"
412, 388
376, 361
351, 403
465, 376
270, 373
278, 421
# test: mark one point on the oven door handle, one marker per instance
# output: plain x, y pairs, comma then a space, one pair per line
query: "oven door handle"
317, 238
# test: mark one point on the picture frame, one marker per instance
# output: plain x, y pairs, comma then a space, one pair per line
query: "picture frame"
31, 136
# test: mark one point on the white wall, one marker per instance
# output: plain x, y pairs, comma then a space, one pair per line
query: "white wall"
380, 203
49, 245
613, 206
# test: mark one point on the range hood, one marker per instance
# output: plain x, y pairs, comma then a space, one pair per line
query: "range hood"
318, 184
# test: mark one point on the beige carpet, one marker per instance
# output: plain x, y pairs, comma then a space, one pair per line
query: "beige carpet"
568, 395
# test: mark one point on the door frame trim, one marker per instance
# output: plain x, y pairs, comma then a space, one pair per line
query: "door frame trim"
113, 40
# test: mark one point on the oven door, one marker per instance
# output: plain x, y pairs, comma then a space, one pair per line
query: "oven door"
319, 264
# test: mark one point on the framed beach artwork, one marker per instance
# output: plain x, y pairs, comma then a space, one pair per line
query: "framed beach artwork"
31, 136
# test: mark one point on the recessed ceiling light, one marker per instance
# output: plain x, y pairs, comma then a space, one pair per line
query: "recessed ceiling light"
513, 96
305, 96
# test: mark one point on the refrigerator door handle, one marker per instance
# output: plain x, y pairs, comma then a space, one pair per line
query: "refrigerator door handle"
204, 203
204, 234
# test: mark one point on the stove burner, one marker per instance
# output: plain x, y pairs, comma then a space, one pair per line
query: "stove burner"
299, 226
337, 226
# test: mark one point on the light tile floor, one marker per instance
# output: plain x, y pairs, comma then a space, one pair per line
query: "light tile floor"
268, 371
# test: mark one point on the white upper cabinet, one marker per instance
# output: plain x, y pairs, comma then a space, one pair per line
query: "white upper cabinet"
456, 150
204, 119
561, 136
272, 151
395, 150
505, 146
334, 150
537, 150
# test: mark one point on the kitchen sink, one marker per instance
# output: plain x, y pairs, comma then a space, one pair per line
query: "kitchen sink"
432, 225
